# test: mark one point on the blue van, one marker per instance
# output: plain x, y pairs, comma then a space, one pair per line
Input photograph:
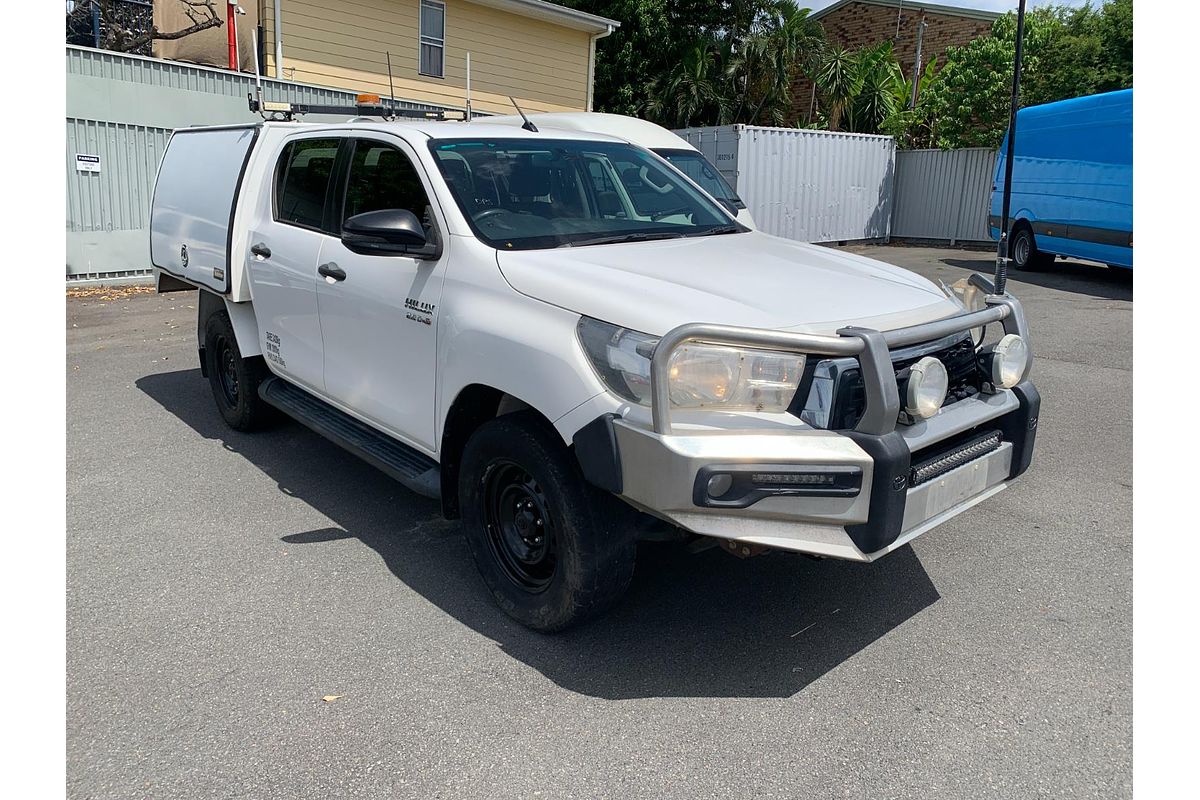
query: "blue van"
1072, 182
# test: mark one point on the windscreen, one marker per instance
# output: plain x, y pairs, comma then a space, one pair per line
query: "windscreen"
706, 176
529, 194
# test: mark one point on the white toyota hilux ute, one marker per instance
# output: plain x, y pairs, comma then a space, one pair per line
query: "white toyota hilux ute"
574, 348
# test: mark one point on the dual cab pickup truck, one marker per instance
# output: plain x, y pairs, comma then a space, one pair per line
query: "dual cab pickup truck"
574, 347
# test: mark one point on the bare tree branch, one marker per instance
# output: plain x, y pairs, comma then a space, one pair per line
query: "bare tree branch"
117, 36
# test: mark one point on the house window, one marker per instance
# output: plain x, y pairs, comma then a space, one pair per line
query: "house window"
433, 38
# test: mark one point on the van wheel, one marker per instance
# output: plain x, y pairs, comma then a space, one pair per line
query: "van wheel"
234, 380
1022, 249
553, 549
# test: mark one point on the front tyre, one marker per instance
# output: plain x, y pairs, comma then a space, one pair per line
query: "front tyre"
234, 380
552, 548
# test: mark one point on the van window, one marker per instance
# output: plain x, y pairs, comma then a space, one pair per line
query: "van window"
698, 168
383, 177
302, 181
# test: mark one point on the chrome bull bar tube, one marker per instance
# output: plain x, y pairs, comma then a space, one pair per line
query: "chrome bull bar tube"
870, 347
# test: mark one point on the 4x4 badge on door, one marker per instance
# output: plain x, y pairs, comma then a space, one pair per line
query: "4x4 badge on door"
183, 256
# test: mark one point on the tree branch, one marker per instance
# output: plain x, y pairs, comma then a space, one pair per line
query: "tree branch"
202, 13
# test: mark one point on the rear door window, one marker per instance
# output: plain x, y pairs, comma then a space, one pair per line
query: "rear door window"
302, 181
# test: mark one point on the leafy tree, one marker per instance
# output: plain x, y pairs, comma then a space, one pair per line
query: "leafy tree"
1067, 52
701, 61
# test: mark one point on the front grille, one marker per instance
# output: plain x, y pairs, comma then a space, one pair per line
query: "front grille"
840, 383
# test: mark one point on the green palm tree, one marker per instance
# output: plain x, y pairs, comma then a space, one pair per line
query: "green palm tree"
881, 92
689, 92
838, 76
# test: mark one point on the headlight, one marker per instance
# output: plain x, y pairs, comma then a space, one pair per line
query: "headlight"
700, 375
927, 386
1010, 358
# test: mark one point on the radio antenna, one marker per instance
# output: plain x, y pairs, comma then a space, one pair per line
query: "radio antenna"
529, 126
257, 74
469, 86
391, 86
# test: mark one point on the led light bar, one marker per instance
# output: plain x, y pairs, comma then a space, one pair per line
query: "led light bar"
935, 467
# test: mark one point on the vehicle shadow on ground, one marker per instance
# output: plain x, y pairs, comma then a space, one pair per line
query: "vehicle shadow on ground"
702, 625
1109, 283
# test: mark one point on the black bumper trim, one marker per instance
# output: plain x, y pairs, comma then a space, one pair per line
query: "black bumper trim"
889, 490
1020, 426
599, 458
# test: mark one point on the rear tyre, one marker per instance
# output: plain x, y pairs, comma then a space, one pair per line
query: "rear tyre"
1022, 249
234, 380
553, 549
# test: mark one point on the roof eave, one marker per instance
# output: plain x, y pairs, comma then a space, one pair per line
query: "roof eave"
559, 15
932, 8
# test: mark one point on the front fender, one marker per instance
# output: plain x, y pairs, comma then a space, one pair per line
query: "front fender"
513, 343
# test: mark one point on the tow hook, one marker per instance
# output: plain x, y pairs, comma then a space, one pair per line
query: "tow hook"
743, 550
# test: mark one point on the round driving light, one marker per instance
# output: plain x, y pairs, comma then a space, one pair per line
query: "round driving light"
1009, 361
927, 386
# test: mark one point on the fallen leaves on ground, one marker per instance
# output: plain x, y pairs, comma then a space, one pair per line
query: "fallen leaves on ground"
329, 698
107, 292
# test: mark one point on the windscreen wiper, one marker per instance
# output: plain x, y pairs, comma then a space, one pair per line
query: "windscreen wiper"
720, 229
641, 236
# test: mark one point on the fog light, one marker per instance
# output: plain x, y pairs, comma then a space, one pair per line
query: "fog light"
1010, 358
927, 387
719, 484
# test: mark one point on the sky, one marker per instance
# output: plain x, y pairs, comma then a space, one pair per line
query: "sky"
988, 5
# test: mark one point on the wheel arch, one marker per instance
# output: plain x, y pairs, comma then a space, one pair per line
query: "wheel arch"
241, 315
474, 405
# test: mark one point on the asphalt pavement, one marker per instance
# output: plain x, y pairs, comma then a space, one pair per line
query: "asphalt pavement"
264, 616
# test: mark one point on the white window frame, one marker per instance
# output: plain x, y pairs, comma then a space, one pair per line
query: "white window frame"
432, 41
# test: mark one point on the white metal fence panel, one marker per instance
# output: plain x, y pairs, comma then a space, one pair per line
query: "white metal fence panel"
812, 186
943, 194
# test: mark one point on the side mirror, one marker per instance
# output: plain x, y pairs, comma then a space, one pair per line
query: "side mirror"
387, 231
730, 206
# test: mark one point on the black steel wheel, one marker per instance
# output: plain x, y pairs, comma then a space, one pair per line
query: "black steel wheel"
227, 359
519, 525
553, 549
234, 380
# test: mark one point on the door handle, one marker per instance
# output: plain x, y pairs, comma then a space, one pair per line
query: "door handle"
260, 250
332, 270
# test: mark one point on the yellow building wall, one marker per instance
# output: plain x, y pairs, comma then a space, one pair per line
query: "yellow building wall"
343, 44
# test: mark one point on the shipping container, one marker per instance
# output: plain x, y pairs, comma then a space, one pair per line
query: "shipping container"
811, 186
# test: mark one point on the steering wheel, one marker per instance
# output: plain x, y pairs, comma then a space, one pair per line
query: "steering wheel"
488, 213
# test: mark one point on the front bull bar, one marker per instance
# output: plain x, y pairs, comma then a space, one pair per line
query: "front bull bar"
871, 348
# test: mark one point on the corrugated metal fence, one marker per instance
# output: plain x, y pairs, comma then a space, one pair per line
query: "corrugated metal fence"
943, 194
122, 109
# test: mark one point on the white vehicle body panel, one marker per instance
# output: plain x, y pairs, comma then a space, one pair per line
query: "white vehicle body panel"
189, 218
748, 279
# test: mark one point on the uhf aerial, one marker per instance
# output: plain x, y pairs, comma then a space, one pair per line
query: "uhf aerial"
366, 105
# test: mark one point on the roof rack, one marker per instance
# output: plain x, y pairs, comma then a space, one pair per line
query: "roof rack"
367, 105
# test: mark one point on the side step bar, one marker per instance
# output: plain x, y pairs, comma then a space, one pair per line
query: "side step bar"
410, 467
